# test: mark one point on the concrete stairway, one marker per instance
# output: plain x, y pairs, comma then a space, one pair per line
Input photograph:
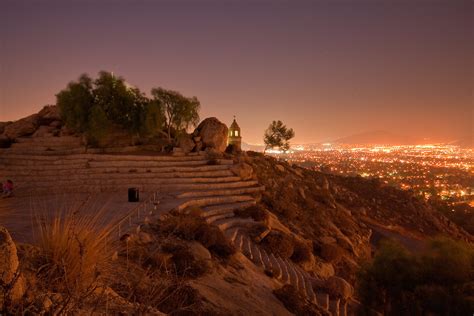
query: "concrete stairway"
56, 173
219, 209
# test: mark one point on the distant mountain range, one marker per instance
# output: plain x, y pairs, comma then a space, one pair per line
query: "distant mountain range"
465, 142
378, 138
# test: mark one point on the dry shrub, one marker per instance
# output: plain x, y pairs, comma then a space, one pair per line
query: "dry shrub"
279, 244
331, 252
191, 227
184, 300
301, 252
74, 251
256, 212
293, 302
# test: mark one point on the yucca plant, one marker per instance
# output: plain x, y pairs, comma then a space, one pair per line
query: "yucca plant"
74, 250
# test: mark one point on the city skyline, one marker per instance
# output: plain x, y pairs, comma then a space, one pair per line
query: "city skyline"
326, 70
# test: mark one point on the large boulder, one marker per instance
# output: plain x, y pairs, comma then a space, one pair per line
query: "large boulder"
3, 125
185, 142
242, 170
48, 114
9, 273
213, 134
23, 127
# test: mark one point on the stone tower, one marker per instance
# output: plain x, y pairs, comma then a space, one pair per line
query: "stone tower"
235, 137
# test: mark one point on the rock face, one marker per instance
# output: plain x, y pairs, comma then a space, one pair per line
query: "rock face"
24, 127
186, 143
213, 134
243, 170
9, 267
48, 115
39, 125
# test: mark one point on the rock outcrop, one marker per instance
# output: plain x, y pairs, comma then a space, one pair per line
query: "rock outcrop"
45, 122
10, 279
213, 134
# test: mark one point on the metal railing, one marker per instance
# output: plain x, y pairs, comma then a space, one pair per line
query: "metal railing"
139, 213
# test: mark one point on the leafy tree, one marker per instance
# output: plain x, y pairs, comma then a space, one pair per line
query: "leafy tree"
123, 105
180, 112
75, 103
154, 119
278, 135
98, 125
86, 104
435, 282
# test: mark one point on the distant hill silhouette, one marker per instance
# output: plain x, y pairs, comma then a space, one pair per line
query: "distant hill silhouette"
465, 142
252, 147
378, 138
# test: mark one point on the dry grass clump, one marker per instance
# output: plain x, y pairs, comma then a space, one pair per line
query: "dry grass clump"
73, 250
256, 212
279, 244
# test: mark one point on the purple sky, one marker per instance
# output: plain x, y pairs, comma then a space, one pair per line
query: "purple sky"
326, 68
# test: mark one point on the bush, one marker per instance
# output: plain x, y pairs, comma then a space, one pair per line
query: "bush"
256, 212
193, 227
434, 282
279, 244
301, 252
331, 252
296, 304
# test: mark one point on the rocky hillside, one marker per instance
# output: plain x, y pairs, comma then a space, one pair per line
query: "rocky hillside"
241, 233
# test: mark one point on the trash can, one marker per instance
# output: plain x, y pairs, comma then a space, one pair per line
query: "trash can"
133, 195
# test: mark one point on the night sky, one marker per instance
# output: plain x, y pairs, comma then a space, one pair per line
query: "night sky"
326, 68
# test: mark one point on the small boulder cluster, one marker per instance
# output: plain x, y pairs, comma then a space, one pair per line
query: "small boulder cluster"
46, 122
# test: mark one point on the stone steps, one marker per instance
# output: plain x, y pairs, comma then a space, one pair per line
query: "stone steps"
212, 218
99, 157
6, 151
81, 163
48, 140
283, 270
247, 190
213, 200
227, 182
223, 208
227, 223
170, 187
225, 174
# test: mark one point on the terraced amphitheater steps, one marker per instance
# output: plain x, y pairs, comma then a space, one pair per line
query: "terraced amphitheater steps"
213, 200
223, 208
249, 188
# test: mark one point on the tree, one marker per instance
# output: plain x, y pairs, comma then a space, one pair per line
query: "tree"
124, 105
278, 135
75, 103
154, 119
180, 112
98, 126
86, 104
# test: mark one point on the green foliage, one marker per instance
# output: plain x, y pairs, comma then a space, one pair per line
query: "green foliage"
98, 125
180, 112
437, 281
75, 103
93, 106
154, 118
278, 135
